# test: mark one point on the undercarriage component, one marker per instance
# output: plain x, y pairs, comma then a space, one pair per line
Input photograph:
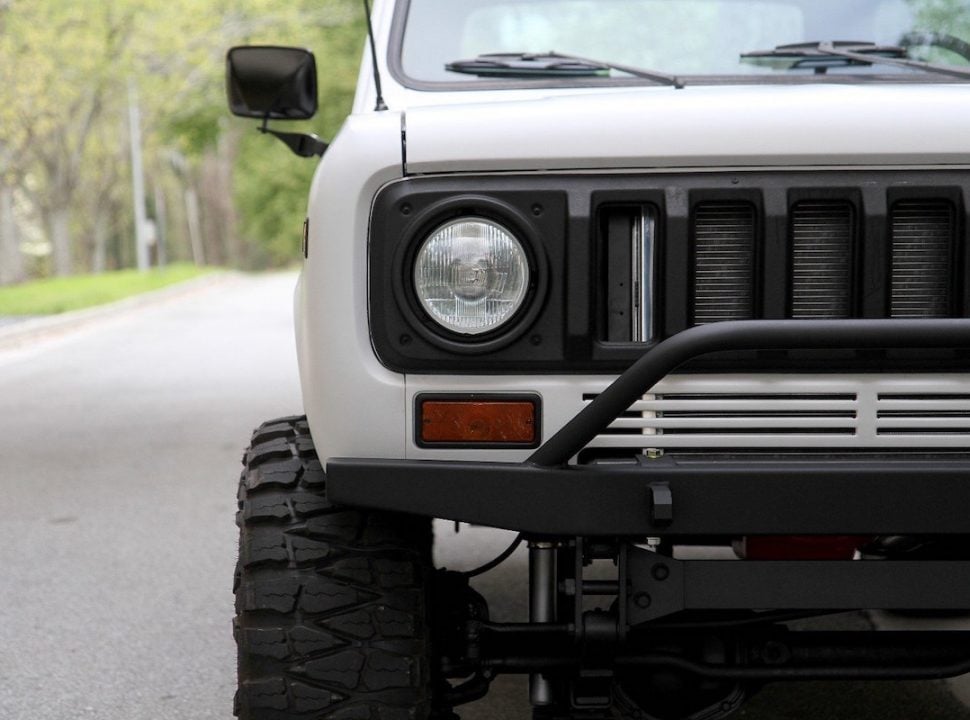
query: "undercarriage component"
542, 607
771, 653
664, 639
668, 638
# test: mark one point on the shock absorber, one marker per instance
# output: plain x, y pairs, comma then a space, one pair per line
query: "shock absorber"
542, 607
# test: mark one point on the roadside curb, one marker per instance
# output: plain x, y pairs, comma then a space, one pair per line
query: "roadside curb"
36, 328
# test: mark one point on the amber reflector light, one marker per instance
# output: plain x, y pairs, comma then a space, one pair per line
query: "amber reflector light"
478, 421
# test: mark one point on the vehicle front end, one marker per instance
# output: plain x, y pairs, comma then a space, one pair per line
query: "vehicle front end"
689, 304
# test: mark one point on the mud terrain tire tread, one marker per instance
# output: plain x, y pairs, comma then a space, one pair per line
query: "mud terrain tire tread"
331, 603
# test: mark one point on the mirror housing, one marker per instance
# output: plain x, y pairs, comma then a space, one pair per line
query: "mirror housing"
271, 83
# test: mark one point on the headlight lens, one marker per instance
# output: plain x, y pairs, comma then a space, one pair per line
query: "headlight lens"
471, 275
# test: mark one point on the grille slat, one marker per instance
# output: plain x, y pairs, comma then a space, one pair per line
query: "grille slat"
734, 423
879, 412
724, 237
822, 233
921, 243
916, 415
731, 405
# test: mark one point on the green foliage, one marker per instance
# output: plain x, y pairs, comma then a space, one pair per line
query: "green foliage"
270, 182
57, 295
270, 186
946, 18
64, 147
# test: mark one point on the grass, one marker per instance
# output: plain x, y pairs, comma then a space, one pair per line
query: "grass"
58, 295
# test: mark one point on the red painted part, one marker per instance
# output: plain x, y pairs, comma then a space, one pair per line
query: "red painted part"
801, 547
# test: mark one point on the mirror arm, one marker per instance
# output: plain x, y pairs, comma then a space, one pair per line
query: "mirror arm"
304, 145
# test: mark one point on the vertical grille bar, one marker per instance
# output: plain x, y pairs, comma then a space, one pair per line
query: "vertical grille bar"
922, 234
724, 238
618, 224
630, 259
822, 233
643, 274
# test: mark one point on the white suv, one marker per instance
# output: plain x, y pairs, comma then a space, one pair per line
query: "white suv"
631, 278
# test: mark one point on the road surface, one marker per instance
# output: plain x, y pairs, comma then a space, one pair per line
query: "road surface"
119, 454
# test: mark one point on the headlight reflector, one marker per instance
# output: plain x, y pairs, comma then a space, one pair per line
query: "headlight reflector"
471, 275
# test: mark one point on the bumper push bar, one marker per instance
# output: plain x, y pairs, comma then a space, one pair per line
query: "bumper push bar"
669, 496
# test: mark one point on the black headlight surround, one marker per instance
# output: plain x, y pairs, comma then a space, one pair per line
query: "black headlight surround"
468, 206
572, 214
405, 212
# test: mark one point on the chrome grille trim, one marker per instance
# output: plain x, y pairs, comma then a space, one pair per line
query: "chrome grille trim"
921, 237
643, 274
822, 233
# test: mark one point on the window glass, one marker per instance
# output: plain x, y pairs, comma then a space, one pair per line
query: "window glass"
684, 37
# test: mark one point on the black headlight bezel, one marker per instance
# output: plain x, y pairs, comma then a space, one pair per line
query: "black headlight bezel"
425, 223
404, 214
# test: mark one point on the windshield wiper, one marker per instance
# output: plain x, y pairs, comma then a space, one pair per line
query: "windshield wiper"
864, 53
551, 64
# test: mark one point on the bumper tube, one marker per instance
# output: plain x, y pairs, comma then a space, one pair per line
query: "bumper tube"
705, 498
670, 496
667, 356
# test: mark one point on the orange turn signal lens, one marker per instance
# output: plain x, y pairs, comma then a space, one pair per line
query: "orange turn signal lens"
479, 421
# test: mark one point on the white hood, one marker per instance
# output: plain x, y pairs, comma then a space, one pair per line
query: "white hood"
736, 126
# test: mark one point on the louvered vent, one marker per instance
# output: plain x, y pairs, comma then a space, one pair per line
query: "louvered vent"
724, 236
822, 233
920, 414
790, 411
922, 251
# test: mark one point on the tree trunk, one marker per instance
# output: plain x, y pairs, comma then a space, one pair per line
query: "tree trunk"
161, 226
11, 260
59, 222
195, 225
227, 148
100, 231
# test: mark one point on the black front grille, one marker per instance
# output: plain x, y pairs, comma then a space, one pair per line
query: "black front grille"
820, 260
827, 253
822, 232
622, 260
724, 244
922, 258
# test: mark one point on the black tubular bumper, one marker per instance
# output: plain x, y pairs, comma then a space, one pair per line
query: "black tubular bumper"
667, 496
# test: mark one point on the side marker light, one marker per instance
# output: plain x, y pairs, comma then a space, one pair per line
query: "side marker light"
499, 422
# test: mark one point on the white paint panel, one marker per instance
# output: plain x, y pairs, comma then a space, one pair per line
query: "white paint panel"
564, 396
354, 405
722, 126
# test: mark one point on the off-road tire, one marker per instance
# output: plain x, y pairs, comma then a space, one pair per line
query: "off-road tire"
331, 603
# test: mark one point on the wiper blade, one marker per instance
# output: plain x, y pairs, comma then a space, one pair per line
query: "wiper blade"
551, 64
826, 49
527, 65
854, 54
863, 53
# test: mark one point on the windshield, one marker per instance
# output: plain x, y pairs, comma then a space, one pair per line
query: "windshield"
679, 37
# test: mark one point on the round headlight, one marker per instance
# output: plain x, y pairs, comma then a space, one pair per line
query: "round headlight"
471, 275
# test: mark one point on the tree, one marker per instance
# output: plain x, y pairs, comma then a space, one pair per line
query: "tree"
66, 59
64, 74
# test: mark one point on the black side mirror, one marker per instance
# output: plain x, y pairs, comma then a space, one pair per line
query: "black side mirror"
271, 83
275, 83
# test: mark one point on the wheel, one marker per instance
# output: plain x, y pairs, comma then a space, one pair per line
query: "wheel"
331, 603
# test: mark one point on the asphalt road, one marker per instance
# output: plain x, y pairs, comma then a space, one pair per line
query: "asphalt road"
119, 454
